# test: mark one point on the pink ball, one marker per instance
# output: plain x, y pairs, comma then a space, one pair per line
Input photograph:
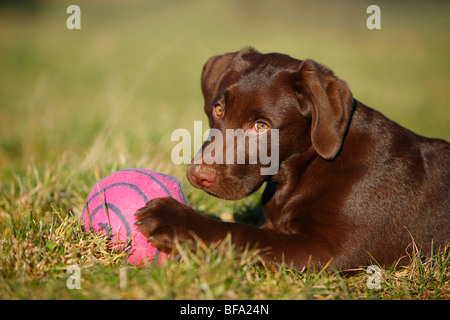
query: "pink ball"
122, 193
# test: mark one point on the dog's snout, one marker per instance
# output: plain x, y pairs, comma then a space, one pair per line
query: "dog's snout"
203, 175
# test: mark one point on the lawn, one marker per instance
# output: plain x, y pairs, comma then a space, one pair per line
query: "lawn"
76, 105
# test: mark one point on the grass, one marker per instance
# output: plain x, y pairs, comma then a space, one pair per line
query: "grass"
78, 105
39, 245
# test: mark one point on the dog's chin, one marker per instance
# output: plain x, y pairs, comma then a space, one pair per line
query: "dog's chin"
226, 196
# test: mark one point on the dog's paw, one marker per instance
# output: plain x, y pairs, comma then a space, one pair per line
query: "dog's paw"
164, 220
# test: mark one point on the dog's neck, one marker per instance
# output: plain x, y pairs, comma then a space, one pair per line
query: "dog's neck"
286, 180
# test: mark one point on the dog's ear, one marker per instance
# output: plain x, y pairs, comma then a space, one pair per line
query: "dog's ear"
328, 101
212, 73
215, 69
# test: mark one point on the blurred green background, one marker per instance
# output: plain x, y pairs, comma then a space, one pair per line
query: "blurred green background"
119, 86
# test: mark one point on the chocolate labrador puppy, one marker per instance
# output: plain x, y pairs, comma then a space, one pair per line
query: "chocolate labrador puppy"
350, 186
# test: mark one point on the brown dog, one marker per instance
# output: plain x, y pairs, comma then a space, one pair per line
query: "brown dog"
351, 186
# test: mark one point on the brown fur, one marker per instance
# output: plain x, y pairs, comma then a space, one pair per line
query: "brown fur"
351, 184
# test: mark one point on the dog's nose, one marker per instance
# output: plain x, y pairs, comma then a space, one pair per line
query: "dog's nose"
203, 175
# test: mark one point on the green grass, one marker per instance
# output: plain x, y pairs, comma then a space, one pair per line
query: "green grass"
39, 246
78, 105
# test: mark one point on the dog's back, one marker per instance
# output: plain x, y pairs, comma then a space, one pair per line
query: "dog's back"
403, 197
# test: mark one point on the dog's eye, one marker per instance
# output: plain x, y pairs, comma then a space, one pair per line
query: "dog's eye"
218, 110
260, 127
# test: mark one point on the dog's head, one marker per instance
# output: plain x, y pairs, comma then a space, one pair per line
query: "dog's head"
265, 105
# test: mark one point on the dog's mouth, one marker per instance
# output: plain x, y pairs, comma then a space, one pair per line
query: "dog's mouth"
227, 188
226, 194
222, 185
